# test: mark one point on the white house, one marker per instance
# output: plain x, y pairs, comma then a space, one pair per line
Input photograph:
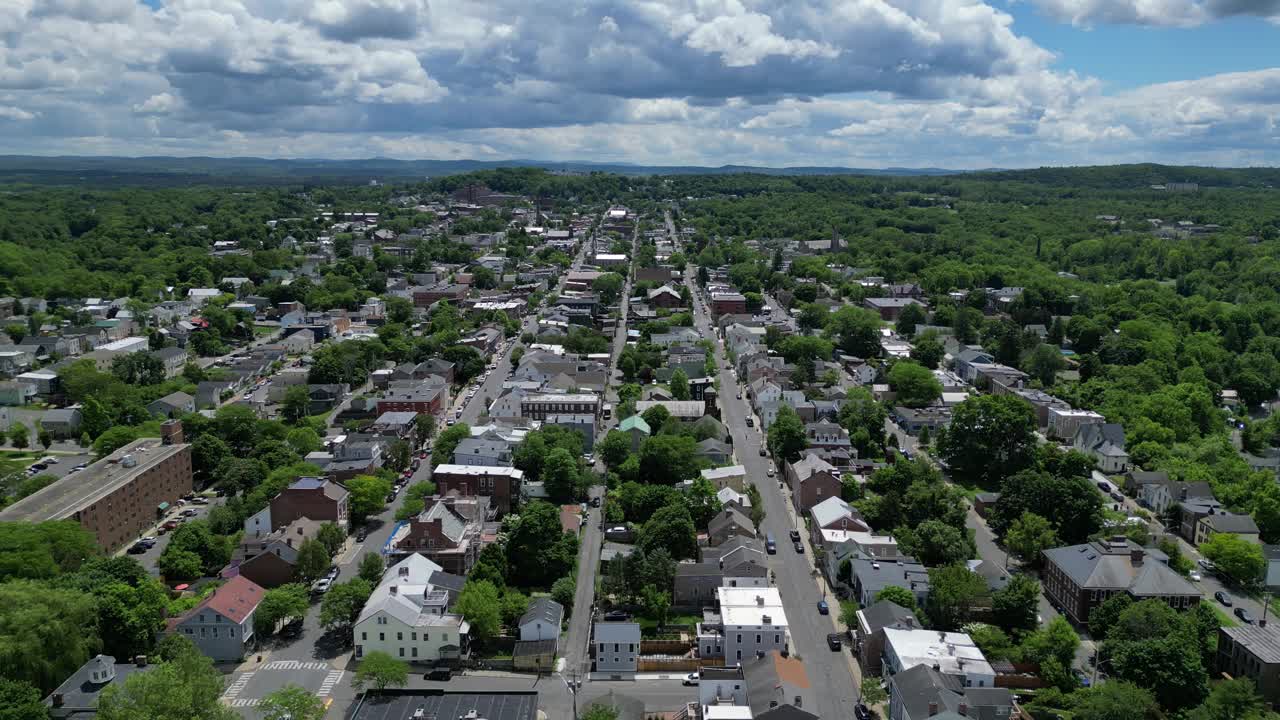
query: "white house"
407, 616
752, 621
542, 620
950, 653
1105, 442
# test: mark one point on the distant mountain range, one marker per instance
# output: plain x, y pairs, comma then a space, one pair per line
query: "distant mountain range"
163, 171
67, 168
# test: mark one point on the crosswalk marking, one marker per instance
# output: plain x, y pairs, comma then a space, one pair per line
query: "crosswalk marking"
295, 665
330, 680
238, 686
243, 702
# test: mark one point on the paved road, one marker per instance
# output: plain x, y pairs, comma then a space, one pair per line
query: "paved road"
796, 579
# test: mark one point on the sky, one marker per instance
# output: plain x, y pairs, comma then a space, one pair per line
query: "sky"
958, 84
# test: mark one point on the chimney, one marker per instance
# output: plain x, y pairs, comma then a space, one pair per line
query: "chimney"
171, 432
963, 709
288, 541
56, 699
1136, 556
766, 620
759, 601
392, 590
140, 661
933, 709
404, 571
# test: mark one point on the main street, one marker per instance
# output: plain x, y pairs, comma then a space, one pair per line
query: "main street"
834, 672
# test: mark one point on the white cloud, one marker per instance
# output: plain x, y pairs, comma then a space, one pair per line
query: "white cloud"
779, 82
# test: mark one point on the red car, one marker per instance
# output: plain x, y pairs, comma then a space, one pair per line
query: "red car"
422, 455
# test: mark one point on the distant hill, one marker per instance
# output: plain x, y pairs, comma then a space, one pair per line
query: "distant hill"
163, 170
250, 170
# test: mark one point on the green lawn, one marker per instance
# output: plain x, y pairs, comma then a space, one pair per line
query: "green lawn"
12, 461
264, 330
1224, 619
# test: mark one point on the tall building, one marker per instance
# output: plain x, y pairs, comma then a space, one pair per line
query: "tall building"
120, 496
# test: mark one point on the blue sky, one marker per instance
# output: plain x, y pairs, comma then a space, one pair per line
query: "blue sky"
859, 83
1128, 56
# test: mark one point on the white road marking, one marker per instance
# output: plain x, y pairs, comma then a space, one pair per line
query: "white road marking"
243, 702
295, 665
238, 686
330, 680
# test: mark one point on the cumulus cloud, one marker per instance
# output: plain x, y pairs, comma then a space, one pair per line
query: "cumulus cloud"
1174, 13
854, 82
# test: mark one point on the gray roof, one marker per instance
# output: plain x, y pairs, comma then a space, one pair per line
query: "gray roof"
78, 692
1108, 564
886, 614
729, 517
1262, 642
175, 400
451, 525
1231, 523
617, 632
712, 446
906, 573
402, 704
919, 686
701, 569
544, 609
775, 679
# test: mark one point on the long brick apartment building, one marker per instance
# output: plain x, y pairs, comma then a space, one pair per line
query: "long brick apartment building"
120, 496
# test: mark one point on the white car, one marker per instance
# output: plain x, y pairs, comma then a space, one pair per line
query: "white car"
1196, 576
690, 679
321, 586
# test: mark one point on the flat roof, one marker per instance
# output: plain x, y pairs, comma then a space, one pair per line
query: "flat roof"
748, 606
77, 491
566, 397
480, 470
403, 704
954, 653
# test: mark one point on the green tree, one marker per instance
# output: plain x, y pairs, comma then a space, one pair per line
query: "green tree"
872, 691
564, 591
1072, 505
1028, 536
668, 459
656, 416
279, 604
332, 537
1115, 700
560, 474
856, 331
19, 435
292, 702
670, 528
1105, 616
897, 595
953, 592
342, 604
546, 552
297, 403
424, 427
786, 435
447, 442
614, 449
177, 565
21, 701
598, 711
378, 671
313, 560
44, 438
656, 603
187, 686
679, 385
45, 549
1236, 558
928, 350
1235, 699
45, 632
371, 568
368, 495
912, 314
914, 384
990, 438
479, 605
934, 542
1057, 641
1015, 606
109, 441
1043, 363
304, 440
608, 286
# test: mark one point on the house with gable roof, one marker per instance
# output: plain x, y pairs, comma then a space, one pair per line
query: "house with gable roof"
221, 626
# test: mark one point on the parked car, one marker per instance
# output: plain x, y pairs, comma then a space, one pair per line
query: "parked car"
361, 534
333, 573
595, 502
322, 586
1222, 597
1195, 576
763, 451
1245, 616
441, 673
691, 679
833, 641
200, 501
771, 471
751, 422
799, 547
823, 608
795, 535
149, 540
617, 616
860, 712
190, 512
1082, 677
170, 525
1208, 566
138, 548
1104, 487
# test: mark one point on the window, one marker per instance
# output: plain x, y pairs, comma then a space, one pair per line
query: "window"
231, 632
382, 637
757, 638
415, 652
413, 635
214, 632
616, 646
364, 636
399, 636
401, 652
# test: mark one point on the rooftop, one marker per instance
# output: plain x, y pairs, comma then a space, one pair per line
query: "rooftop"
478, 470
1262, 642
951, 653
749, 606
79, 490
445, 705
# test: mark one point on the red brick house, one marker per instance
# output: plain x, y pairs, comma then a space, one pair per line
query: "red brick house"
500, 484
443, 535
728, 304
812, 480
310, 497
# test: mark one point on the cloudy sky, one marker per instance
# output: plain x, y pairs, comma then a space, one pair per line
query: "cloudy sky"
864, 83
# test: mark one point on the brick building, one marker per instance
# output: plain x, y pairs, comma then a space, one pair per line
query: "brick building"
500, 484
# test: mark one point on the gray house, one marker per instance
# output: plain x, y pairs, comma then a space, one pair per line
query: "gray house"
921, 692
222, 626
63, 423
617, 647
172, 405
